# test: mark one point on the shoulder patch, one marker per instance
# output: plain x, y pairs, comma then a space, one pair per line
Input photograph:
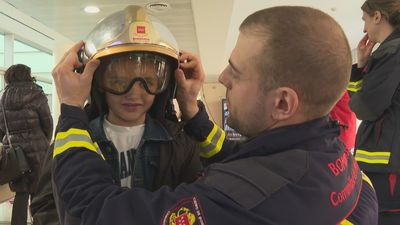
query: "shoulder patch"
186, 212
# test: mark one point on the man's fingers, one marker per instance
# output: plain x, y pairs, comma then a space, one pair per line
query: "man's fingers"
77, 47
71, 58
188, 65
186, 57
90, 67
180, 77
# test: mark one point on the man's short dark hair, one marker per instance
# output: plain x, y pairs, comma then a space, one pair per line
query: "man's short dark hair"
304, 49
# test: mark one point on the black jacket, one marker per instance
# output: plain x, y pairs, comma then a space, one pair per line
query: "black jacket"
298, 187
165, 155
30, 125
375, 99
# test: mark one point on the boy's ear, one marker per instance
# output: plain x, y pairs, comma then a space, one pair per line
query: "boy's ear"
286, 103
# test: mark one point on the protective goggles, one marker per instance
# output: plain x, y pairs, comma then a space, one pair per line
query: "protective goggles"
118, 73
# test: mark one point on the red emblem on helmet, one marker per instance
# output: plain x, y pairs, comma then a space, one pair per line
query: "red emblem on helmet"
141, 29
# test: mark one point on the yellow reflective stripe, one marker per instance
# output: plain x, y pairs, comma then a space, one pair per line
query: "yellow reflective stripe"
73, 144
98, 151
74, 138
216, 149
385, 154
209, 137
346, 222
355, 83
213, 143
355, 86
366, 179
374, 161
372, 157
354, 89
62, 135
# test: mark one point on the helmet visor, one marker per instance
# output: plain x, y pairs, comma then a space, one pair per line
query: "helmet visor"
118, 73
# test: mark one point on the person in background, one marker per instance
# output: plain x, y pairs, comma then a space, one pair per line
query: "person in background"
375, 99
130, 113
287, 167
347, 120
30, 126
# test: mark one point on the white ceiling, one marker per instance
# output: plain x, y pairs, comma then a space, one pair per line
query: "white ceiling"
207, 27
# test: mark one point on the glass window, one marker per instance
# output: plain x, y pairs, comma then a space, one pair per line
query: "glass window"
40, 62
1, 50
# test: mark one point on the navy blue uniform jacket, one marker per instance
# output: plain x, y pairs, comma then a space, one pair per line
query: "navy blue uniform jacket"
307, 179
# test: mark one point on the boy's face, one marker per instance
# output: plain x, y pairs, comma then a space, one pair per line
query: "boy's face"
129, 109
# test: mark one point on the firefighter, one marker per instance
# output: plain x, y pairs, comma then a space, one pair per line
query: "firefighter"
289, 67
375, 97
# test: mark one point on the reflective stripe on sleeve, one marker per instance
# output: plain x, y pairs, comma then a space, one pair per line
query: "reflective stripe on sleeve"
372, 157
366, 179
213, 143
74, 138
346, 222
355, 86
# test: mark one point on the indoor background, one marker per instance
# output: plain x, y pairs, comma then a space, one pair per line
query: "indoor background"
38, 32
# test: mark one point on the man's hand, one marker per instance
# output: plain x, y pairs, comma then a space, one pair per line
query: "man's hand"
73, 88
189, 77
364, 49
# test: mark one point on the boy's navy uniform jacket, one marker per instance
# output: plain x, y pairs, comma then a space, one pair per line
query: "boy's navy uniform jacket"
165, 156
307, 178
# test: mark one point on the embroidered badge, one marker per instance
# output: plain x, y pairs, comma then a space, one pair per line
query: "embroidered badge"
186, 212
182, 217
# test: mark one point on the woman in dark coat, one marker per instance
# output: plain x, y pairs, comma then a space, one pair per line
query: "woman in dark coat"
30, 126
375, 99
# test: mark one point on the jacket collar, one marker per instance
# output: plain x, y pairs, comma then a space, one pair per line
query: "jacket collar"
153, 131
395, 34
389, 45
309, 136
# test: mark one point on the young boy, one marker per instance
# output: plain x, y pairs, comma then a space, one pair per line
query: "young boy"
130, 110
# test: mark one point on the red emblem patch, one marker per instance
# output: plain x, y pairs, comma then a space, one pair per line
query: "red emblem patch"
141, 29
186, 212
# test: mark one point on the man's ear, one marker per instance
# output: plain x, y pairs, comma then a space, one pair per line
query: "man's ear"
286, 103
